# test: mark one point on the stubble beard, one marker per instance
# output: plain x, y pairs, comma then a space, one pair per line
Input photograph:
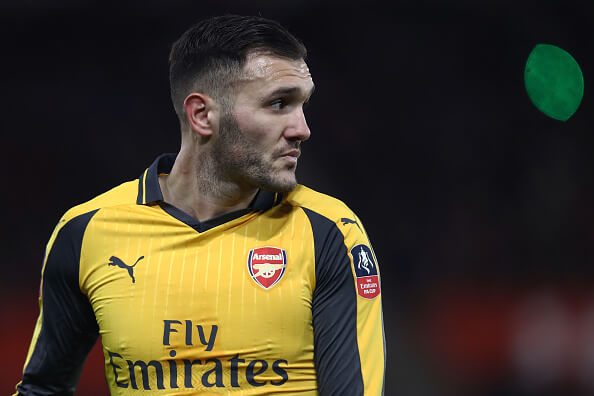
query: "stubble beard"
235, 158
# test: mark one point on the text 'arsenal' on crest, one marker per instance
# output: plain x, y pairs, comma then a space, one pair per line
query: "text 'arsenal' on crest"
267, 265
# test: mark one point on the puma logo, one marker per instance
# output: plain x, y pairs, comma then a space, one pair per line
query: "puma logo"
346, 221
113, 260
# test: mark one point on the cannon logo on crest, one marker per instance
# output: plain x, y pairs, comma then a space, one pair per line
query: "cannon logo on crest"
267, 265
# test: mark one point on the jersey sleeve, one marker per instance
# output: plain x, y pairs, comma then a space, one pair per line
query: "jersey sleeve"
349, 345
66, 328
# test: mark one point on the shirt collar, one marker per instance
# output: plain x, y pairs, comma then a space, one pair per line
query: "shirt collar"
149, 190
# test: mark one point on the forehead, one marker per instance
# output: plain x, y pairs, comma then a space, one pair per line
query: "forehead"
266, 71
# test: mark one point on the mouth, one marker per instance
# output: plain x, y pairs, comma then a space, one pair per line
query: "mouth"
294, 153
290, 157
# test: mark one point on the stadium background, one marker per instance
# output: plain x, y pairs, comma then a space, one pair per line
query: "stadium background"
480, 208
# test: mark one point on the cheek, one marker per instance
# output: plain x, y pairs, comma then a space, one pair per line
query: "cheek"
260, 130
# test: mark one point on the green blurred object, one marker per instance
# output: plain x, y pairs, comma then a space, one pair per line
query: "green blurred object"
554, 81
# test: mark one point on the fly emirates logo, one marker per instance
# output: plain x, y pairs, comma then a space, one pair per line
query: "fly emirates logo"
187, 372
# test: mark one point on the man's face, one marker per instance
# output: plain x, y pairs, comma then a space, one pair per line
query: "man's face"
259, 138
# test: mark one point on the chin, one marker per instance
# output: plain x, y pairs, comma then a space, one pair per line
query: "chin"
278, 187
280, 183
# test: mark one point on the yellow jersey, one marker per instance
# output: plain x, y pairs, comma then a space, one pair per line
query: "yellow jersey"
283, 297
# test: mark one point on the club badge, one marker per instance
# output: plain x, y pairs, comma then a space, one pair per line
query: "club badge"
267, 265
368, 284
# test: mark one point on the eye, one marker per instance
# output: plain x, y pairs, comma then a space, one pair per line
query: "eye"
278, 104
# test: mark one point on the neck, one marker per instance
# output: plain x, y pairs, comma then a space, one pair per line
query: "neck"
196, 187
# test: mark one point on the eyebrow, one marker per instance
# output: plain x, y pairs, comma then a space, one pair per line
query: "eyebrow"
288, 91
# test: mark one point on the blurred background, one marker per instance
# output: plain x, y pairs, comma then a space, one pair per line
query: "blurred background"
480, 208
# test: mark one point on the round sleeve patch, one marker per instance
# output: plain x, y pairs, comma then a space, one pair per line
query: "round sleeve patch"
368, 285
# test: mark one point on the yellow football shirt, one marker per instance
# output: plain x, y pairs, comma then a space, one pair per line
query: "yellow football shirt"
282, 297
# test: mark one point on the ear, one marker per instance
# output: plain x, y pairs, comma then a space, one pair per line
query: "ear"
201, 113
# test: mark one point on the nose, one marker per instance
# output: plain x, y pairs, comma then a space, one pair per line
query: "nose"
298, 128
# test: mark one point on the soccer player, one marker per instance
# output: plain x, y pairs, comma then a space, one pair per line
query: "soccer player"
215, 272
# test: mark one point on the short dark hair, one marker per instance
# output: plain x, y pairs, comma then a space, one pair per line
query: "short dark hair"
209, 56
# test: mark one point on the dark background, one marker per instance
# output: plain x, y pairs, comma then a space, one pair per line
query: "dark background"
480, 208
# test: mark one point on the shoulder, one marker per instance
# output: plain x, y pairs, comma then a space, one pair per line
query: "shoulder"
76, 219
328, 216
124, 194
324, 205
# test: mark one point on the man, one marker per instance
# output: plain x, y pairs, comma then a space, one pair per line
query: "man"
215, 272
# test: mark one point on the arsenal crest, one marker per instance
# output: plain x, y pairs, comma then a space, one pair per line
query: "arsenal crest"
267, 265
368, 284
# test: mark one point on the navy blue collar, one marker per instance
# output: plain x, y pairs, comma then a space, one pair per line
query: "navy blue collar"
149, 190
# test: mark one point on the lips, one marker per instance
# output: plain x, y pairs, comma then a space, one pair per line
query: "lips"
294, 153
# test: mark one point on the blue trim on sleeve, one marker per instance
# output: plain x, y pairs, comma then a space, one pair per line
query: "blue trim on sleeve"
334, 309
69, 328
